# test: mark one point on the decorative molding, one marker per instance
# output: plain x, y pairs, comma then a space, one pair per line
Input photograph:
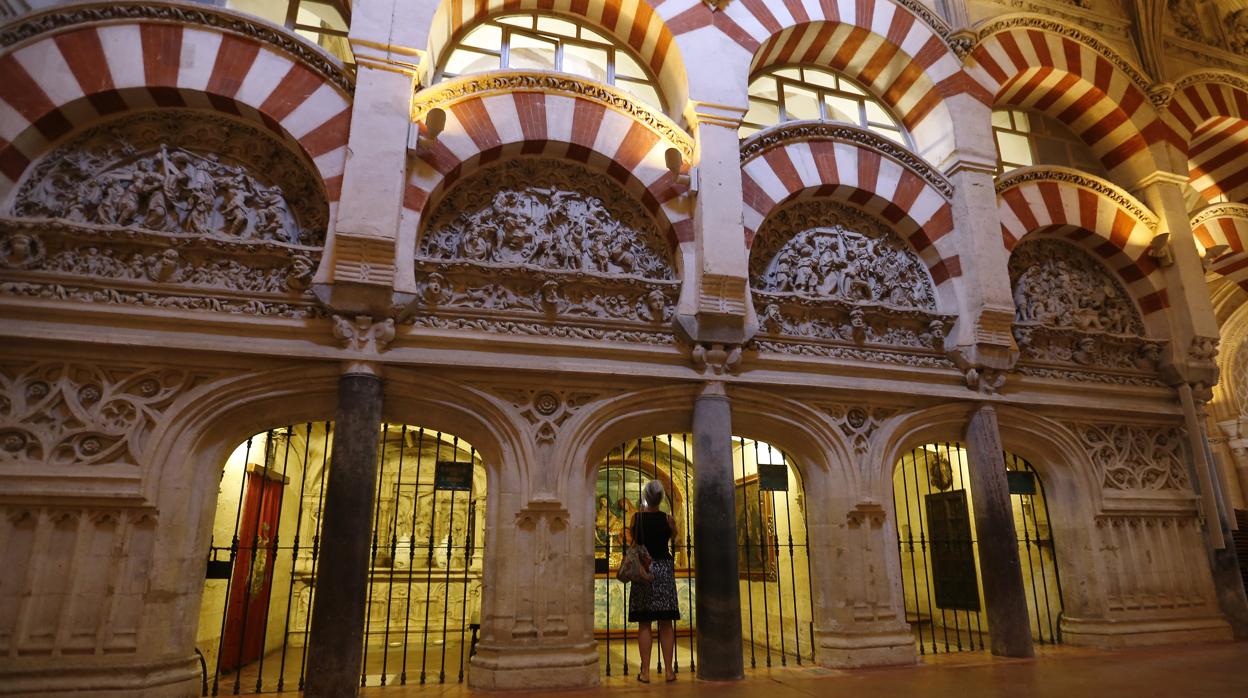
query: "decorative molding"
1029, 21
1219, 211
519, 328
197, 14
1134, 458
1219, 77
850, 353
800, 131
159, 300
1051, 173
180, 171
545, 409
59, 414
807, 320
509, 82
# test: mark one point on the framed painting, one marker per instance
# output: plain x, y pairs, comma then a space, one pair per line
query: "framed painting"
756, 531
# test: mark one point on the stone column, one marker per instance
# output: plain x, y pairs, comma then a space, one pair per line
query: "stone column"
334, 649
720, 655
999, 568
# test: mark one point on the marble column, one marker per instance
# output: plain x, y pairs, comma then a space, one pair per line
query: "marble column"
718, 609
334, 643
1002, 576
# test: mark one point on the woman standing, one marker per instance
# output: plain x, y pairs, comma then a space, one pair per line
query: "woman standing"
655, 601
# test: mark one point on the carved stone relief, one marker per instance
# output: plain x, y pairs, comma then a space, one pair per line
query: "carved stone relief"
62, 413
1071, 310
179, 171
549, 215
823, 272
544, 247
1236, 24
1133, 457
859, 422
1184, 20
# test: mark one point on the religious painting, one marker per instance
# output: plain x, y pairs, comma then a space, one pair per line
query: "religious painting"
756, 529
615, 501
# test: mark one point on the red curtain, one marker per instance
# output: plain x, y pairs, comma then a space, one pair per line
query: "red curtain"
251, 580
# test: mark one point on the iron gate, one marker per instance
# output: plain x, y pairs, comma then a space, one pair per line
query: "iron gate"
939, 555
777, 608
424, 568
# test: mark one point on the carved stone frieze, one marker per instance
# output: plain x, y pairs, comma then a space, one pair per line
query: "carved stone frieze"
547, 214
1052, 173
1089, 349
851, 353
1131, 457
800, 131
179, 171
59, 18
519, 328
60, 260
509, 82
858, 423
1221, 210
69, 413
467, 289
838, 321
820, 249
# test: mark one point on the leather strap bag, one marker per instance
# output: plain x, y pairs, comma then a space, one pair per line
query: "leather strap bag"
635, 567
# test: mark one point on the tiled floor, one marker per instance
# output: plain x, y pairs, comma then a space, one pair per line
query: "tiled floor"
1184, 671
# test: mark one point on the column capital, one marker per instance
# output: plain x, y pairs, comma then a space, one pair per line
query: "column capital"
1160, 177
384, 56
713, 114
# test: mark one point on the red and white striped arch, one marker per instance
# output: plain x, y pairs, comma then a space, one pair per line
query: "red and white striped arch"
869, 180
1225, 224
57, 83
1106, 228
634, 23
1073, 83
481, 129
1211, 119
878, 43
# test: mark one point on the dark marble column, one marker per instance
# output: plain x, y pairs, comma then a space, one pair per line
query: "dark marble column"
720, 655
335, 640
1008, 623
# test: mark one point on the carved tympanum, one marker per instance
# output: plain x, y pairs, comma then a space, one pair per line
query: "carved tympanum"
550, 215
179, 172
825, 250
1058, 285
541, 247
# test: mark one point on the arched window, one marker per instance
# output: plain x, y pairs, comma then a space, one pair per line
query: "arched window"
1025, 138
541, 42
791, 94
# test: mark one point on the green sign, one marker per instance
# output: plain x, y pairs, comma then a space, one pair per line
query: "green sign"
1021, 482
452, 475
773, 477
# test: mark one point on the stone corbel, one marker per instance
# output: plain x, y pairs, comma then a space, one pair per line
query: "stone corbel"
715, 359
869, 512
362, 336
1197, 367
986, 363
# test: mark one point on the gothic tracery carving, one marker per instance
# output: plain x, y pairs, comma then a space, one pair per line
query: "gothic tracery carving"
550, 215
179, 172
65, 413
1131, 457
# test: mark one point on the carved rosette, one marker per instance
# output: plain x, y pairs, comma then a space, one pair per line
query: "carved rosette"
542, 247
1131, 457
1074, 318
829, 276
124, 214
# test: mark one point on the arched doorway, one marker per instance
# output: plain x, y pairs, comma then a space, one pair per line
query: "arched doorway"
774, 567
939, 555
425, 565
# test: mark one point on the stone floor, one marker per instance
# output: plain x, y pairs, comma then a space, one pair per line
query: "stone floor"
1183, 671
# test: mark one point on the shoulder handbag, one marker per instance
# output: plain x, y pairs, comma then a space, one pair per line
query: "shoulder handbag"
635, 567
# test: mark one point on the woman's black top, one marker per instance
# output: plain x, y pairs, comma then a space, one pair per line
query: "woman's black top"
650, 527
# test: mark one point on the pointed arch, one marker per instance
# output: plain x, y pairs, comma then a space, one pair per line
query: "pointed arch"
803, 160
1209, 113
1091, 212
87, 69
1045, 65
